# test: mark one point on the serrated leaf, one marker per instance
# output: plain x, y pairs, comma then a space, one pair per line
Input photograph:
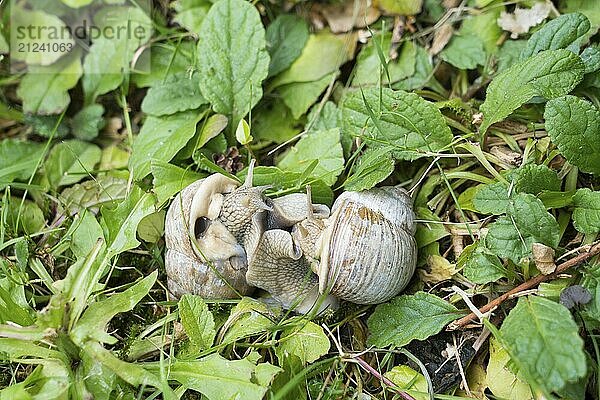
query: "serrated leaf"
218, 378
543, 341
87, 122
409, 317
306, 340
286, 37
323, 146
170, 179
179, 92
70, 161
232, 67
503, 239
573, 124
44, 89
479, 266
368, 64
464, 52
93, 193
562, 32
373, 167
491, 198
191, 13
586, 215
120, 223
550, 74
160, 139
405, 121
534, 178
197, 321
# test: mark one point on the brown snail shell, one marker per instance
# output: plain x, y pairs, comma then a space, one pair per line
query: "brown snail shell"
368, 251
214, 265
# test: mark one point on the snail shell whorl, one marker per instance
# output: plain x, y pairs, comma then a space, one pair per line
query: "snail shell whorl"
187, 272
369, 251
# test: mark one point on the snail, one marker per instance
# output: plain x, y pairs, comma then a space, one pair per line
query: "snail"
363, 251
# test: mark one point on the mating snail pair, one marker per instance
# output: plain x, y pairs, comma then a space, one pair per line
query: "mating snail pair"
223, 239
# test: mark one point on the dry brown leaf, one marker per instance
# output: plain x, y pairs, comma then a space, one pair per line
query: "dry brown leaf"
351, 14
441, 37
544, 258
523, 19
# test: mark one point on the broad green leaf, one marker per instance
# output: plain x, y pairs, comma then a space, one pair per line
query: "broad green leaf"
274, 122
300, 96
47, 125
479, 266
503, 239
170, 179
179, 92
323, 146
587, 7
423, 75
331, 51
591, 281
403, 120
509, 54
410, 380
305, 340
464, 52
93, 323
88, 121
44, 31
286, 37
30, 216
107, 62
500, 379
370, 71
85, 231
586, 215
534, 178
152, 227
191, 13
4, 48
325, 117
431, 229
197, 321
543, 341
404, 7
18, 159
409, 317
491, 199
93, 193
77, 3
44, 89
374, 166
484, 26
232, 66
218, 378
160, 139
99, 380
574, 126
564, 31
164, 60
71, 161
591, 59
549, 74
247, 318
120, 223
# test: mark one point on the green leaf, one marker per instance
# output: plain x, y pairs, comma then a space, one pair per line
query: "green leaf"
44, 31
218, 378
18, 159
543, 341
502, 382
484, 26
591, 59
169, 179
44, 89
120, 224
591, 281
87, 122
92, 324
586, 215
165, 60
242, 133
479, 266
70, 161
368, 70
491, 199
179, 92
323, 146
534, 178
406, 7
305, 340
464, 52
503, 239
85, 231
30, 216
247, 318
197, 321
409, 317
331, 51
410, 380
93, 193
374, 166
510, 53
564, 31
550, 74
573, 124
423, 75
232, 66
431, 229
286, 37
327, 117
405, 121
152, 227
191, 13
4, 47
274, 122
299, 96
160, 139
